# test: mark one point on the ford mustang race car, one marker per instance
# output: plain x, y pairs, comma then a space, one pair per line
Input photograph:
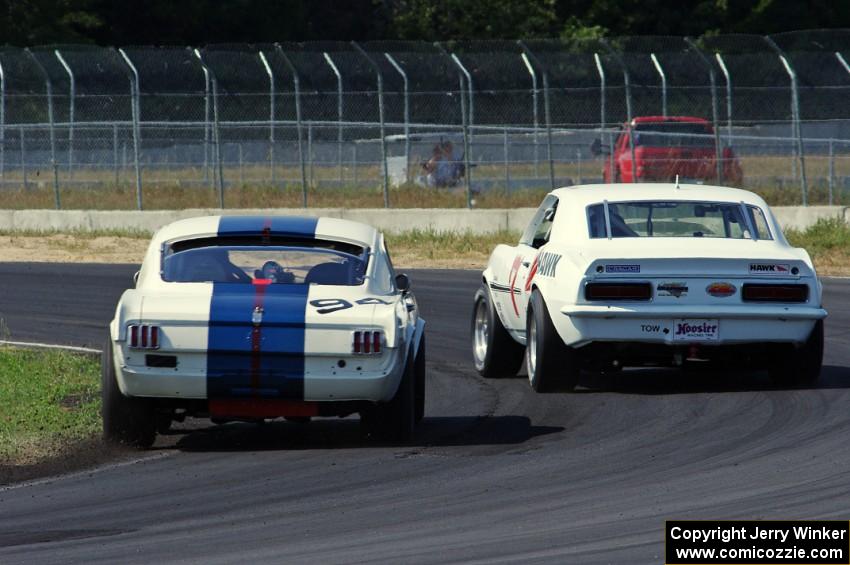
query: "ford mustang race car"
250, 318
607, 276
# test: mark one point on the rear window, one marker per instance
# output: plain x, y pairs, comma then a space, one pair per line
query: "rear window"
275, 262
673, 134
677, 219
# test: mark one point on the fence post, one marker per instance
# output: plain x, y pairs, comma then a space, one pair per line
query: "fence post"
534, 109
831, 169
718, 151
339, 109
216, 132
136, 111
271, 120
796, 128
660, 70
296, 84
71, 103
115, 153
207, 106
23, 159
403, 74
728, 78
2, 124
380, 78
603, 123
466, 111
48, 85
546, 110
310, 153
507, 164
628, 89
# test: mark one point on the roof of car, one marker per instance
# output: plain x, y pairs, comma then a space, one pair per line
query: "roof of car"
584, 195
294, 226
662, 119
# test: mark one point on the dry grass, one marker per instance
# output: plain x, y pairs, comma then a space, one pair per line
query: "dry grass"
176, 198
180, 187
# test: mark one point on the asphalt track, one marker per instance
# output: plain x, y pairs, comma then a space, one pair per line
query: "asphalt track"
497, 474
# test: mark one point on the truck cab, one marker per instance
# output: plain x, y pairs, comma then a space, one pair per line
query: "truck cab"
666, 147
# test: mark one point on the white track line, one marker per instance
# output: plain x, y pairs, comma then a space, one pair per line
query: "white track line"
36, 345
87, 471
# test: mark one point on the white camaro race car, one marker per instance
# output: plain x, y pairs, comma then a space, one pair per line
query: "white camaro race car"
607, 276
249, 318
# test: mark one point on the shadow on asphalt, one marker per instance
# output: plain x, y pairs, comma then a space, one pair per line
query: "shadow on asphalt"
346, 433
696, 380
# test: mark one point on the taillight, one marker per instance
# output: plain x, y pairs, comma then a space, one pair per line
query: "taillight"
143, 336
617, 291
365, 342
775, 293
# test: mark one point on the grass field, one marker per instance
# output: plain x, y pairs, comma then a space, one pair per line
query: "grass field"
360, 187
48, 400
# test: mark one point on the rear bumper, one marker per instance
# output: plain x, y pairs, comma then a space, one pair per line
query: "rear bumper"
323, 380
583, 324
722, 312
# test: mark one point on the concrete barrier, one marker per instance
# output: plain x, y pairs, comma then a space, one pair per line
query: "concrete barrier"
392, 220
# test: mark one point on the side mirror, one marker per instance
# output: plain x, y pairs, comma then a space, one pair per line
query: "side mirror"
136, 277
402, 282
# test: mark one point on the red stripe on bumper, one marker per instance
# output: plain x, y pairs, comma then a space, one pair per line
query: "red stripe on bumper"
261, 408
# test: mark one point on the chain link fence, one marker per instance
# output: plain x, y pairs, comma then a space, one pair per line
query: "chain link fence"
395, 123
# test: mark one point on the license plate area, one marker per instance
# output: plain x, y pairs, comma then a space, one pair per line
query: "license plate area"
696, 329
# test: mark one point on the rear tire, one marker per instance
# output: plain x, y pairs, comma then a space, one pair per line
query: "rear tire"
801, 366
549, 362
419, 377
494, 351
126, 420
395, 420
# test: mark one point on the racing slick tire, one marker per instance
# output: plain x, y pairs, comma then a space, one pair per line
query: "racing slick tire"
419, 377
494, 351
395, 421
551, 364
126, 421
800, 366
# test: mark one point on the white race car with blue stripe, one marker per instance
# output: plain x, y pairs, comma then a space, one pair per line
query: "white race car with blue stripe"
250, 318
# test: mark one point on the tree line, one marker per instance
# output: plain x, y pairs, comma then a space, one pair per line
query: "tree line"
202, 22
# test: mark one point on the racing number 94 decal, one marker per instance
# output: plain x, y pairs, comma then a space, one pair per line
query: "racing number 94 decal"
330, 305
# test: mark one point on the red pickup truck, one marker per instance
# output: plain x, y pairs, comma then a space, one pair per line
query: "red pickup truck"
665, 147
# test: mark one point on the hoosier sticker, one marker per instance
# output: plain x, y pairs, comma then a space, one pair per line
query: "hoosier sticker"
696, 330
769, 268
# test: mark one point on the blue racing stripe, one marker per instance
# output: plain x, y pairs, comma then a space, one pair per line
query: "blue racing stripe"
265, 360
294, 226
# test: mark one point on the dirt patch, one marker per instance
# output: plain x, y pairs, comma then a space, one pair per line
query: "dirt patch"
67, 459
70, 248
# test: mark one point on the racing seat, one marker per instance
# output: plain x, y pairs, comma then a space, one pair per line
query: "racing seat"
328, 273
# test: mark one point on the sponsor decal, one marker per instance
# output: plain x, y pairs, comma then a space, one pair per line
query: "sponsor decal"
547, 264
622, 268
702, 330
721, 289
769, 268
675, 289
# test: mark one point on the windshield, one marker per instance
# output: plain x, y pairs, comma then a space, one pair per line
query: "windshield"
678, 219
273, 264
673, 134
